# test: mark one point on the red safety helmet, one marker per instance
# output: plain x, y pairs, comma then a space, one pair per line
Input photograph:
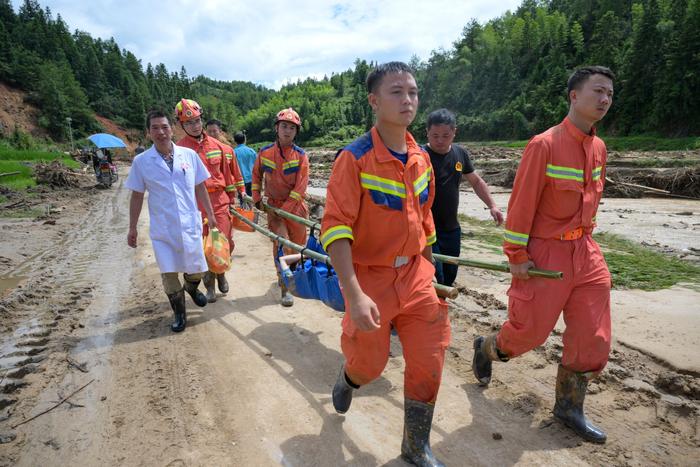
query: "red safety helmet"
187, 110
288, 115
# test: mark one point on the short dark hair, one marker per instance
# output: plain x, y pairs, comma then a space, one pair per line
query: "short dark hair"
239, 138
441, 117
213, 121
156, 113
374, 78
581, 75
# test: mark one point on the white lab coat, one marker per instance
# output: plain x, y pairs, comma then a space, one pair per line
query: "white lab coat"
176, 223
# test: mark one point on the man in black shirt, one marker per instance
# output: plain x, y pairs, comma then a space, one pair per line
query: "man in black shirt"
451, 163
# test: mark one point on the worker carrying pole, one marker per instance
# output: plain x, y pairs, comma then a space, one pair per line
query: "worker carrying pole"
281, 172
551, 216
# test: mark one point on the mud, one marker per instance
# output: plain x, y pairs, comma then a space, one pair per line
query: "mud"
248, 382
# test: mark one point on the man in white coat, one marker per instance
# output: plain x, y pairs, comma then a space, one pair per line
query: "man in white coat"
174, 178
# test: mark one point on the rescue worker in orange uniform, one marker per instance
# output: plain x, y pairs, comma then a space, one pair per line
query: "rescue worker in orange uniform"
225, 181
551, 215
214, 130
284, 167
378, 230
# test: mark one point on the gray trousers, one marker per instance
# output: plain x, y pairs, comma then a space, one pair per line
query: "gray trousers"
172, 284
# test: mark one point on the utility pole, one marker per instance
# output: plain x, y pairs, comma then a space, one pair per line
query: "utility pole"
70, 133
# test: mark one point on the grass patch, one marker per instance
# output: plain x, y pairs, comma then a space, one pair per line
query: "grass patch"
15, 160
618, 143
632, 265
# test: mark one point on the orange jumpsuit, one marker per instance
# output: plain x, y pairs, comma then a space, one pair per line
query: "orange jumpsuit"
238, 181
383, 208
551, 215
286, 175
224, 181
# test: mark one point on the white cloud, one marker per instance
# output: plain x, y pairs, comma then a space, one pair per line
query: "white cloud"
271, 42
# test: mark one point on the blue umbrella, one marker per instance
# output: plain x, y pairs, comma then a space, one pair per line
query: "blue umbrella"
104, 140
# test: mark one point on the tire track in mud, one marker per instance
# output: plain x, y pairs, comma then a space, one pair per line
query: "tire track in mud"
44, 314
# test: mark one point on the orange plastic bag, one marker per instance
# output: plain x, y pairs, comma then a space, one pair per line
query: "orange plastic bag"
216, 252
238, 224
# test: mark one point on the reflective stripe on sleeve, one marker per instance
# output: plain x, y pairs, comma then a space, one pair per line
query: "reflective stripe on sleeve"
596, 173
230, 188
335, 233
294, 195
516, 238
268, 163
213, 154
421, 183
430, 239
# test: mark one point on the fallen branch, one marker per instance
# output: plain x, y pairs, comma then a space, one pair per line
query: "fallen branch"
53, 407
648, 188
77, 365
7, 174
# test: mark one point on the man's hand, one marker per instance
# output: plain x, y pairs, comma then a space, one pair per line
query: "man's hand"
497, 215
131, 237
519, 271
364, 313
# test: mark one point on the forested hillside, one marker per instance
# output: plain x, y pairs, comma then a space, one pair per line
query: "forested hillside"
505, 79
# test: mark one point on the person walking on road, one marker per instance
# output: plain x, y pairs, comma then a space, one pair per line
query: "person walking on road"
551, 216
284, 168
378, 230
223, 184
451, 164
174, 178
246, 160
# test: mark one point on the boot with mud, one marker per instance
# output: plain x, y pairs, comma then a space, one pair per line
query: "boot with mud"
342, 392
177, 303
570, 394
485, 352
418, 421
210, 284
222, 283
287, 297
197, 297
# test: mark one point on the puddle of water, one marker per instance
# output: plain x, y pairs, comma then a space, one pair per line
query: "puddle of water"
8, 283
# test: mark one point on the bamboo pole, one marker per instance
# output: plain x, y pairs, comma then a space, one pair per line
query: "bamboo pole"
534, 272
442, 290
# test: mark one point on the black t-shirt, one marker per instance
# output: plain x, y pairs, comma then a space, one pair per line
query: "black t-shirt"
448, 169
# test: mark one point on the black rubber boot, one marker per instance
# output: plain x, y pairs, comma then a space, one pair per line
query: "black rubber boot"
418, 421
177, 303
197, 297
210, 285
485, 352
222, 283
570, 393
342, 392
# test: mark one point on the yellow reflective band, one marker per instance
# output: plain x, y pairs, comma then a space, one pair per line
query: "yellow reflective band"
213, 154
255, 186
295, 195
241, 183
421, 183
385, 185
335, 233
290, 164
229, 188
268, 163
564, 173
516, 237
229, 156
430, 239
596, 173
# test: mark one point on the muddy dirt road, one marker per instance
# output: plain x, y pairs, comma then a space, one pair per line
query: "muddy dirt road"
248, 382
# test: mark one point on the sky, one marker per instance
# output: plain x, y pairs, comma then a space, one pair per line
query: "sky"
275, 42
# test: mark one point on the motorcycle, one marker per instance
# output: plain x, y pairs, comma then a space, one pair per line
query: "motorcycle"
106, 173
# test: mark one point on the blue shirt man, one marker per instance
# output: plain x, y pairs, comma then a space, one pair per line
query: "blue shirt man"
246, 160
